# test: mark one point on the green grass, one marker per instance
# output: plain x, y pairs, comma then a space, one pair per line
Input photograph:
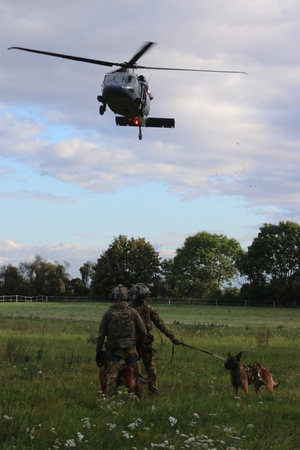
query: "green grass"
49, 389
223, 315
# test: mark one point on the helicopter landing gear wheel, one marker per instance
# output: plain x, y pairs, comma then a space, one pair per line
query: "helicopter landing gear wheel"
102, 110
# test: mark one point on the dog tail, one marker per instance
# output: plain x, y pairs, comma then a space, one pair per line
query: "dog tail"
141, 379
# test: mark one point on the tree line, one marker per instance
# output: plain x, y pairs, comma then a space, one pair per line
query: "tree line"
206, 266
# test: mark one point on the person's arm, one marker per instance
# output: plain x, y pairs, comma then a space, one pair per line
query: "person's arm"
160, 324
102, 332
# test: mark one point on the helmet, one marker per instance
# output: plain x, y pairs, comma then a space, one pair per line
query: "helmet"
119, 293
139, 291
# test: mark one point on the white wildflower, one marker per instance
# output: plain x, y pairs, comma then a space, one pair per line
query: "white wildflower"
172, 421
189, 440
70, 443
127, 435
86, 422
80, 436
135, 424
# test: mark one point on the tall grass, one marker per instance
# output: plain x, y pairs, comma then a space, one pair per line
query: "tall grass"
50, 396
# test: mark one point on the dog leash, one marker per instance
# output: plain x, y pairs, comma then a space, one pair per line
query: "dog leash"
199, 350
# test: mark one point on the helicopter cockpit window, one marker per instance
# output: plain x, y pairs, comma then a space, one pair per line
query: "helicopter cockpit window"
126, 78
119, 78
110, 78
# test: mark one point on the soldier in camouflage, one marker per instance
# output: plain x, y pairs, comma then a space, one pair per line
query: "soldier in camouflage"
125, 331
138, 295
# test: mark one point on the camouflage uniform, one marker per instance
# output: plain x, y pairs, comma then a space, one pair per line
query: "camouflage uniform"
149, 315
124, 330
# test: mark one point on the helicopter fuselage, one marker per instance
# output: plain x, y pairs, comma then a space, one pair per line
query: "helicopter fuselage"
126, 94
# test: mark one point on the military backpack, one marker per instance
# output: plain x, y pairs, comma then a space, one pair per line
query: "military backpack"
121, 329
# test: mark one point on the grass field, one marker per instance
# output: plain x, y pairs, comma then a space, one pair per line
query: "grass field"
50, 398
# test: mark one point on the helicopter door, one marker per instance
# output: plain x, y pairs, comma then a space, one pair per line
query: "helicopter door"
143, 100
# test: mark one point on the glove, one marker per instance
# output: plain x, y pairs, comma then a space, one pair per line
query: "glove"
175, 341
99, 358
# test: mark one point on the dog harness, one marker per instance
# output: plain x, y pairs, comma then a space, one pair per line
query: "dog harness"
253, 372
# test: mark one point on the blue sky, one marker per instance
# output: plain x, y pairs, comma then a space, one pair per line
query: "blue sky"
70, 180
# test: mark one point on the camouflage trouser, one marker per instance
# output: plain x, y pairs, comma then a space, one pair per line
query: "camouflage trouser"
149, 360
112, 373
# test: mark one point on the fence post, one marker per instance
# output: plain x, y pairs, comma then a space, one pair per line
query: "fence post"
16, 298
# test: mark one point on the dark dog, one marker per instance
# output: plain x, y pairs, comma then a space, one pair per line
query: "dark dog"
128, 376
242, 375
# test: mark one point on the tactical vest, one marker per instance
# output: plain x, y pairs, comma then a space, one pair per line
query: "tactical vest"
253, 372
121, 329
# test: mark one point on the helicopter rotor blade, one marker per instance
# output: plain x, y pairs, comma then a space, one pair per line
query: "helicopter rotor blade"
123, 66
188, 70
140, 53
74, 58
132, 63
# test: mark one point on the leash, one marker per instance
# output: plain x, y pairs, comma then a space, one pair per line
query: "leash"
199, 350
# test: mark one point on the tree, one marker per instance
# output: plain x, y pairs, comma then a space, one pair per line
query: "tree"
78, 288
273, 259
87, 273
203, 264
126, 261
11, 281
45, 278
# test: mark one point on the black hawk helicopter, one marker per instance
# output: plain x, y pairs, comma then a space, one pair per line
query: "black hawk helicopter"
125, 92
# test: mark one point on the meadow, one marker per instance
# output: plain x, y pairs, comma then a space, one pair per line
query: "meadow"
50, 396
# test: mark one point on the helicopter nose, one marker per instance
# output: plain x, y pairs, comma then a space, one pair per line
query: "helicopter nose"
116, 91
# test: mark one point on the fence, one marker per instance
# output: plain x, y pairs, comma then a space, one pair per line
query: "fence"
230, 302
157, 301
23, 298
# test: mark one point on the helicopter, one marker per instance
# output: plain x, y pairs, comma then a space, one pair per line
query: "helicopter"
126, 93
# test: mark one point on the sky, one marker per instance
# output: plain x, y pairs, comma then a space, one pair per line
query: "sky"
71, 181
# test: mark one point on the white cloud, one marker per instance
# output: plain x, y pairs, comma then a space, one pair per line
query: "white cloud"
15, 253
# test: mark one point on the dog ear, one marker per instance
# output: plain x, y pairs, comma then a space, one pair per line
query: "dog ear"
229, 354
239, 355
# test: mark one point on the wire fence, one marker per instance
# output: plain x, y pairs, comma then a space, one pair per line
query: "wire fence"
163, 301
23, 298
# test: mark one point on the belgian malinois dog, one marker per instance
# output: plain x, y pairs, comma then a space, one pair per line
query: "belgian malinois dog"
128, 376
242, 376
